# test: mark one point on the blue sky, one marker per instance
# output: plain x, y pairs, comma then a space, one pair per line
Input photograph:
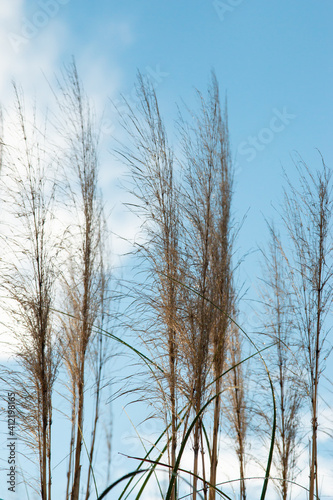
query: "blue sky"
272, 58
267, 56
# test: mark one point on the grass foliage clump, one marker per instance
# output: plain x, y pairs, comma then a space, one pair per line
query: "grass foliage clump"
203, 375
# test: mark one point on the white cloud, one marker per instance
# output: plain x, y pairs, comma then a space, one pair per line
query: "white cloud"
25, 59
34, 44
8, 10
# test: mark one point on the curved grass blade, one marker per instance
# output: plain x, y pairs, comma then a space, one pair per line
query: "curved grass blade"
155, 463
271, 449
254, 477
90, 463
207, 440
160, 456
147, 455
113, 485
186, 438
203, 408
273, 478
